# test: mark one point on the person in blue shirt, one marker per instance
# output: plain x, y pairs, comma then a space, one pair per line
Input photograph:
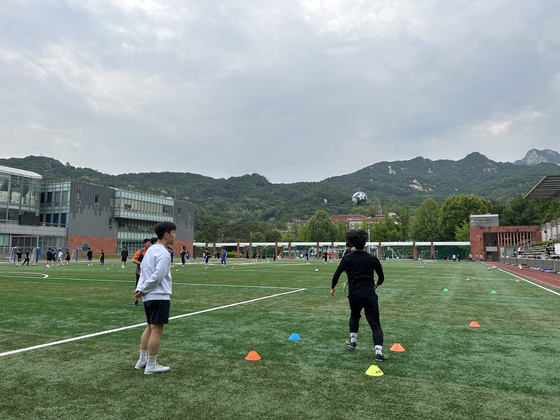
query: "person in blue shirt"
224, 256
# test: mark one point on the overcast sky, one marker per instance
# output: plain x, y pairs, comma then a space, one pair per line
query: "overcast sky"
292, 90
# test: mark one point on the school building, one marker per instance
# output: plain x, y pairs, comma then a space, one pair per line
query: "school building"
78, 214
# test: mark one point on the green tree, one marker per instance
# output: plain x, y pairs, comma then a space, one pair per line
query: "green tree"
385, 230
288, 237
424, 227
403, 224
320, 227
340, 229
258, 237
547, 210
272, 235
520, 212
463, 232
304, 235
457, 210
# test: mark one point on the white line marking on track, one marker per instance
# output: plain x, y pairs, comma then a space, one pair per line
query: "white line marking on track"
528, 281
68, 340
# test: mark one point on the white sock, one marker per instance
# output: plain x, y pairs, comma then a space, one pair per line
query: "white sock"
378, 349
353, 337
152, 360
143, 355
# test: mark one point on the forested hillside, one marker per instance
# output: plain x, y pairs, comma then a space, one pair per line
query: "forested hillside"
389, 186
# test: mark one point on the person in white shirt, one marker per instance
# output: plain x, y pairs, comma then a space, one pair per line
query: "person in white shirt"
154, 287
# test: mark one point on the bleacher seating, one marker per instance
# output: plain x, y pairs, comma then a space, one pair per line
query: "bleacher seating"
543, 252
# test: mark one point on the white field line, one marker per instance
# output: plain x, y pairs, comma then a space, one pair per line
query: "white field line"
175, 283
529, 281
68, 340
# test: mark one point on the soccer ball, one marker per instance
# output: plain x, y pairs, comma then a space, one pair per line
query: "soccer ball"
359, 198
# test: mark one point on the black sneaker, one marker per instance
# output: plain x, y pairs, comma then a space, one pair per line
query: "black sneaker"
351, 345
379, 357
135, 303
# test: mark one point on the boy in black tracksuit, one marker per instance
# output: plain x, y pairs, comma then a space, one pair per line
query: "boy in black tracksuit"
359, 267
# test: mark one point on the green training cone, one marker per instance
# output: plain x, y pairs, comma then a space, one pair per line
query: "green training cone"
445, 290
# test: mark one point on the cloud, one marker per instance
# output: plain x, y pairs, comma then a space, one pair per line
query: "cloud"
293, 90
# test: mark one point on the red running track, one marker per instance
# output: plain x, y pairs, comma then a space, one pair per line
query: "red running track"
546, 279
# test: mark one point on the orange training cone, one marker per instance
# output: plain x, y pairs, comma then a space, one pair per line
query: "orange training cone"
253, 355
396, 347
468, 279
474, 324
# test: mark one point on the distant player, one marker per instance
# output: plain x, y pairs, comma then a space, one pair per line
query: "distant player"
347, 250
124, 256
49, 257
67, 257
19, 254
137, 260
27, 252
89, 257
224, 257
182, 255
59, 257
206, 256
171, 254
360, 267
102, 257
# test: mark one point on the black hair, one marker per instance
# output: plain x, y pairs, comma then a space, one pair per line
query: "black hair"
164, 227
348, 244
153, 240
357, 238
146, 240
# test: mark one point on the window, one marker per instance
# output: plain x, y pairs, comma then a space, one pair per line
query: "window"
63, 219
96, 199
55, 219
57, 197
49, 197
42, 197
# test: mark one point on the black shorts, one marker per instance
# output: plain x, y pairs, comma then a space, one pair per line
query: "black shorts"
157, 311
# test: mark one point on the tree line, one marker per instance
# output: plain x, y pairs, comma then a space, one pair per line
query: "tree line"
450, 222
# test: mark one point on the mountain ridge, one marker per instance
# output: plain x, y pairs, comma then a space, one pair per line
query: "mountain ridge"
535, 156
252, 198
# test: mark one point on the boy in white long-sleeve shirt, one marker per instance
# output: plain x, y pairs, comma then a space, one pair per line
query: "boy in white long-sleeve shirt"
154, 287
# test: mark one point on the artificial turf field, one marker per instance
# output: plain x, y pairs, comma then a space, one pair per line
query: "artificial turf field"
509, 368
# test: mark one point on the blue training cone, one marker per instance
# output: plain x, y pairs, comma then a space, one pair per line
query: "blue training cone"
294, 337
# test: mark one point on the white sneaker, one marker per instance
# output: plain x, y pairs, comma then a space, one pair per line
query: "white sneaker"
141, 364
155, 369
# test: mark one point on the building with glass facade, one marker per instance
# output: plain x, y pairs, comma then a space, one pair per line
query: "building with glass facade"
81, 215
